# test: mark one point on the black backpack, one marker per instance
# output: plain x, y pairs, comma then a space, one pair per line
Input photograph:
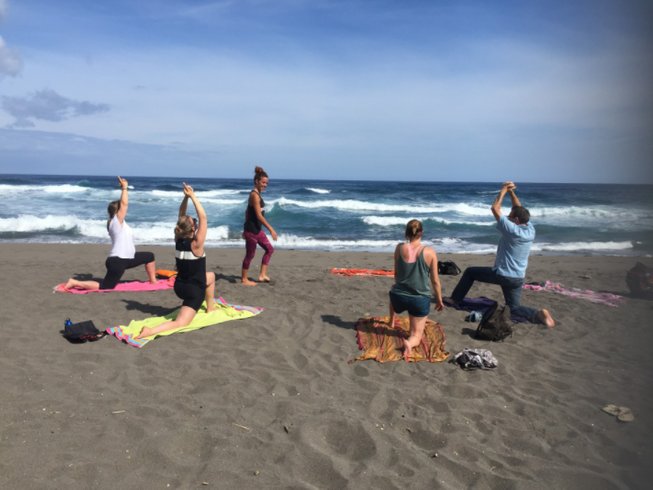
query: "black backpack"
82, 332
495, 325
640, 280
448, 268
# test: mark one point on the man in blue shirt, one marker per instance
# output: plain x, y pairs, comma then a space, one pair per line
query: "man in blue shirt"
509, 271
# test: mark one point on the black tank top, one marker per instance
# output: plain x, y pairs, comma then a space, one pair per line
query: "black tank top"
190, 268
252, 224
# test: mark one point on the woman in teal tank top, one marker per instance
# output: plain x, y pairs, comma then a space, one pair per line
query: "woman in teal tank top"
416, 275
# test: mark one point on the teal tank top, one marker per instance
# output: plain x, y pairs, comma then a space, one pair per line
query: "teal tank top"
413, 278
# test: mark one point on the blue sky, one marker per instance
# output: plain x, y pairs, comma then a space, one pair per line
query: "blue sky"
556, 91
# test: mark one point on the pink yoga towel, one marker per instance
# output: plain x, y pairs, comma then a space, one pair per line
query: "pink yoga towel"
131, 286
609, 299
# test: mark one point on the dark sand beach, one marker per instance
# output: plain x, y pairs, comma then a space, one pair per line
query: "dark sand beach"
274, 401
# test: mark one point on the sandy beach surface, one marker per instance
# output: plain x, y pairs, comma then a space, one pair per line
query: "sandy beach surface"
275, 401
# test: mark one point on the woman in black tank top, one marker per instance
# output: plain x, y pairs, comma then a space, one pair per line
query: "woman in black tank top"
193, 284
253, 230
252, 223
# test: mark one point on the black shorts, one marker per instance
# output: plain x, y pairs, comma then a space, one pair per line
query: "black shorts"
192, 293
116, 267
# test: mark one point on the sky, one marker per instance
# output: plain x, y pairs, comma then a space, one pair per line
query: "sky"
550, 91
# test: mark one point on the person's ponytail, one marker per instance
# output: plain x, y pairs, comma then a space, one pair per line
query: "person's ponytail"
184, 228
112, 209
414, 229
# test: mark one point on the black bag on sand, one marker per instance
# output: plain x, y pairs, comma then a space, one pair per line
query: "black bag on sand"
640, 281
495, 324
82, 332
448, 268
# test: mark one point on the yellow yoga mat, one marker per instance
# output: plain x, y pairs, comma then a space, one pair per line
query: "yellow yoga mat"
224, 312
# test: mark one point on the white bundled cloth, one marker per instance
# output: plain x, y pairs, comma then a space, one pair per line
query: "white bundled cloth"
475, 359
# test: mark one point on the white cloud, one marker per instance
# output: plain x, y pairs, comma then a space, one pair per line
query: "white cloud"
10, 62
481, 98
47, 105
206, 98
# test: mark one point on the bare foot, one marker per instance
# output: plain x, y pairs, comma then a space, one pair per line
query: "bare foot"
211, 307
545, 317
153, 281
70, 284
247, 282
143, 333
449, 301
407, 350
263, 279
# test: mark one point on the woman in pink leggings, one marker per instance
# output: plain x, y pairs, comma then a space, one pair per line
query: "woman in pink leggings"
253, 230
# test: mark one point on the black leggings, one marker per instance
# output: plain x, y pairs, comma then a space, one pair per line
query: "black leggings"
191, 292
116, 267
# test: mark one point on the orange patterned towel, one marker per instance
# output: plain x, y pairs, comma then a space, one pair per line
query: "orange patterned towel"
361, 272
383, 343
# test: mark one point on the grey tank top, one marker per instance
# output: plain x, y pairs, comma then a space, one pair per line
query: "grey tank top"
412, 278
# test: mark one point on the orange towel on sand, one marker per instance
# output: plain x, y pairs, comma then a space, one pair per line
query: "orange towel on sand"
361, 272
383, 343
165, 273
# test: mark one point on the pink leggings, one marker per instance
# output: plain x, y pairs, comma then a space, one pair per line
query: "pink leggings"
253, 239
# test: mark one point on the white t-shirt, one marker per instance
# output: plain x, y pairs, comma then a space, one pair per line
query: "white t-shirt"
122, 239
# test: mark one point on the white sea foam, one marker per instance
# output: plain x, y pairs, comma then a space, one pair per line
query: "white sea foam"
456, 245
96, 230
225, 202
170, 194
289, 241
48, 189
358, 206
16, 189
64, 189
399, 220
606, 216
212, 197
76, 212
389, 220
468, 209
26, 223
222, 192
294, 241
582, 246
601, 212
353, 205
602, 217
596, 216
177, 194
163, 234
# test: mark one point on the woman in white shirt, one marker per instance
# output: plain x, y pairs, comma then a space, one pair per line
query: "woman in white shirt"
123, 254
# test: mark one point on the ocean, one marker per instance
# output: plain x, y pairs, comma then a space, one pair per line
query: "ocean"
333, 214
